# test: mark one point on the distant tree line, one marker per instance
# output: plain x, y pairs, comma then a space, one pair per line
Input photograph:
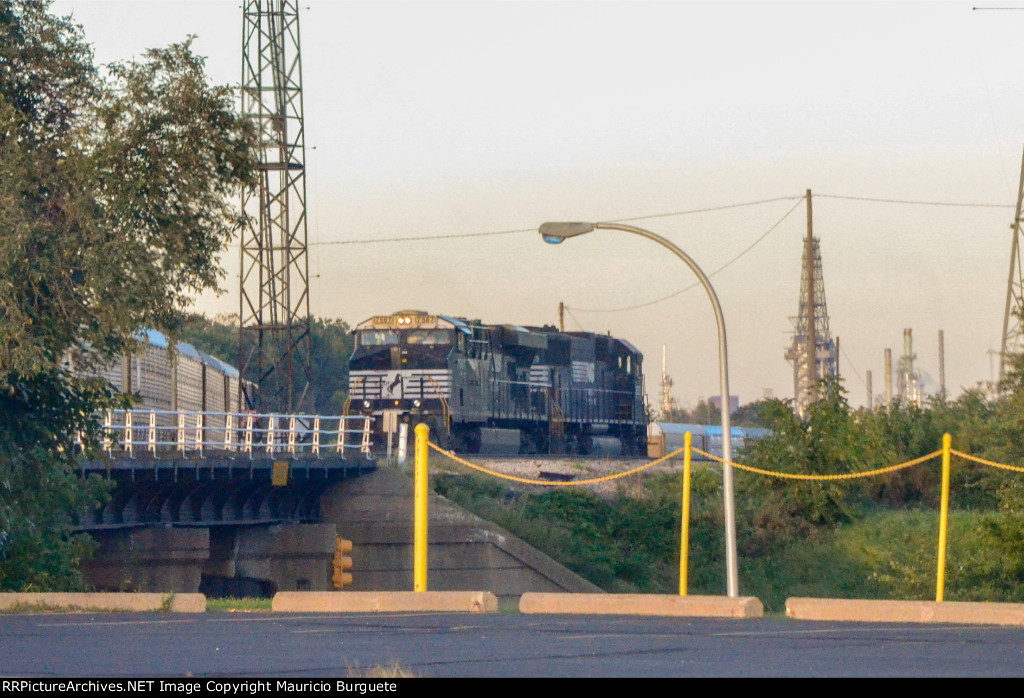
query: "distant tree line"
753, 414
331, 344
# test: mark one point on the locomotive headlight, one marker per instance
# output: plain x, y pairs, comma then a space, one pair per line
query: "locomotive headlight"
366, 404
416, 403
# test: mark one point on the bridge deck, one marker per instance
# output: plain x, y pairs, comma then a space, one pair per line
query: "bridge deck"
219, 488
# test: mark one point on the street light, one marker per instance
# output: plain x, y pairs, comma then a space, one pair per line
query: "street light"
555, 233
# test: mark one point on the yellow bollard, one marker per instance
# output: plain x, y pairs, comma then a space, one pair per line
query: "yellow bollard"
684, 540
420, 510
940, 581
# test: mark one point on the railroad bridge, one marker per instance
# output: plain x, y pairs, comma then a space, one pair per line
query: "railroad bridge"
224, 503
247, 504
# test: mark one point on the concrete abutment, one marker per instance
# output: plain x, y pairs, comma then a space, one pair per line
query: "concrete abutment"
374, 511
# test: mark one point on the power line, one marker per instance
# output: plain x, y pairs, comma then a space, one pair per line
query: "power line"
856, 371
454, 236
576, 320
915, 203
370, 241
695, 284
706, 210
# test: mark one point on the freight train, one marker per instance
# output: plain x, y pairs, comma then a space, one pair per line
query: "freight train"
499, 388
174, 378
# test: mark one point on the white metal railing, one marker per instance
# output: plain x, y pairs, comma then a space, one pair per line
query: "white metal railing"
155, 431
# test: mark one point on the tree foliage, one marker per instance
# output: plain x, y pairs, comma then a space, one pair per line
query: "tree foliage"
114, 201
331, 343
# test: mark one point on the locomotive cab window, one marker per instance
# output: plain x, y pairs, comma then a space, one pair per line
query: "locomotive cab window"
377, 338
428, 337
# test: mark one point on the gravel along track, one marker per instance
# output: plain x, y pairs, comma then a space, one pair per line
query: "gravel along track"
563, 470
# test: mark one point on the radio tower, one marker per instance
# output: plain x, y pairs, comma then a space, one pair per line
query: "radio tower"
274, 326
1013, 331
811, 327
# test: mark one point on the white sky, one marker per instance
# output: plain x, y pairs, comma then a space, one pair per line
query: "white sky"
448, 118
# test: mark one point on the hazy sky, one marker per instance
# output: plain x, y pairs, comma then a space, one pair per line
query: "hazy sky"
453, 118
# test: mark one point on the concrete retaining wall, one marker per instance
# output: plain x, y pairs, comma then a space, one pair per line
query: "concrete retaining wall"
465, 552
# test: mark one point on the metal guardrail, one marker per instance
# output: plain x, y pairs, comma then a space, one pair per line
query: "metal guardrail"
156, 431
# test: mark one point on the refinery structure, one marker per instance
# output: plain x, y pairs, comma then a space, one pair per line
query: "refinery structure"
813, 352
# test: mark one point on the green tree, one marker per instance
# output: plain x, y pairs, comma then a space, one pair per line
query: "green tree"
115, 197
829, 440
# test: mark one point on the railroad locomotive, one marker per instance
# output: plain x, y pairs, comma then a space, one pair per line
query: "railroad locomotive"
499, 388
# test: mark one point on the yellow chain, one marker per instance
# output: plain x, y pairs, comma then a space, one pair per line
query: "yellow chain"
759, 471
574, 483
844, 476
986, 462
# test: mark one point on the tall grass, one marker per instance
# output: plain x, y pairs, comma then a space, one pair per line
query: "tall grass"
630, 543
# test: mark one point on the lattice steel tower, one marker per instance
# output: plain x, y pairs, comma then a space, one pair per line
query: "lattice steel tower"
1013, 330
811, 327
274, 324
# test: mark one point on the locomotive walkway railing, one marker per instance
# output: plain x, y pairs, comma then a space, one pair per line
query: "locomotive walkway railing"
131, 432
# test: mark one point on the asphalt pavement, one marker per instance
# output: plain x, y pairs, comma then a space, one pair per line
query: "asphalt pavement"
277, 645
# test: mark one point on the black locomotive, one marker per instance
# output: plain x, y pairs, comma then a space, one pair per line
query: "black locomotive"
499, 388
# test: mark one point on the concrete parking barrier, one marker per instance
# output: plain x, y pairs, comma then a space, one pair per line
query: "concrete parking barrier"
384, 601
102, 601
879, 611
643, 605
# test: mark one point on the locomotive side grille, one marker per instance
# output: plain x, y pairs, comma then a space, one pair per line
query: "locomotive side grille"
582, 372
540, 376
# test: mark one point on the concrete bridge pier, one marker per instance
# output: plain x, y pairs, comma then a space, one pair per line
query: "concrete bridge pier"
154, 558
218, 561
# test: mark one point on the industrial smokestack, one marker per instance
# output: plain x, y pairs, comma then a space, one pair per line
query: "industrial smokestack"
871, 405
888, 377
836, 367
942, 367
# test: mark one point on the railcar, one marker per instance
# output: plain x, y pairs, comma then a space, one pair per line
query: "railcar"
704, 437
499, 388
177, 377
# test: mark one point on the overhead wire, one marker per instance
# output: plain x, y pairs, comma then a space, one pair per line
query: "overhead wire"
908, 201
419, 238
453, 236
696, 284
575, 319
856, 371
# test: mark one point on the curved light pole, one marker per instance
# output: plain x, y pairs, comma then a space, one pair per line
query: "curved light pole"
555, 233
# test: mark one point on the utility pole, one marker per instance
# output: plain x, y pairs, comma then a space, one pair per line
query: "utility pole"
812, 344
1013, 331
561, 316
